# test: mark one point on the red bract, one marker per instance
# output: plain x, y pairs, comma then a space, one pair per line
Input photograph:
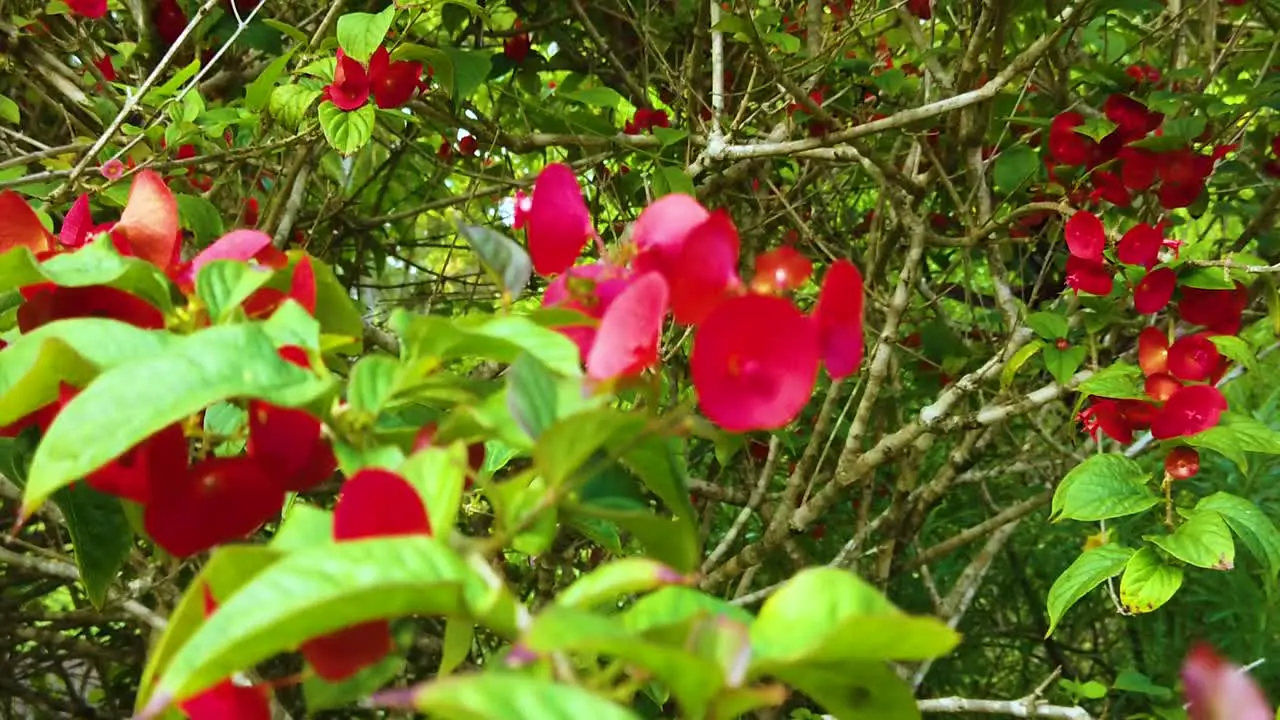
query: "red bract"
660, 231
302, 289
1137, 168
1192, 409
106, 67
158, 459
1218, 690
290, 444
373, 503
1221, 311
590, 290
1088, 276
555, 219
149, 224
351, 86
1153, 351
92, 9
1140, 246
21, 226
1161, 387
706, 269
241, 245
1131, 117
77, 225
922, 9
838, 315
627, 341
646, 119
1193, 357
226, 700
1086, 238
1182, 463
1108, 186
1065, 144
169, 20
1154, 291
780, 270
516, 48
47, 302
754, 362
393, 83
1117, 418
217, 500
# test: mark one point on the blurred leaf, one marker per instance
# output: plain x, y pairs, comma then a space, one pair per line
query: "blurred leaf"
458, 635
502, 256
199, 216
502, 695
223, 285
625, 576
531, 395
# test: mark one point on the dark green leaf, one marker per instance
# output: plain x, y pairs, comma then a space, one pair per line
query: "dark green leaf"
200, 217
1088, 571
100, 535
470, 68
1014, 168
258, 93
601, 97
1062, 364
1135, 682
569, 443
1103, 487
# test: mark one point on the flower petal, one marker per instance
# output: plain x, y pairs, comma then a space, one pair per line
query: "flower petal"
1086, 238
1192, 409
1218, 690
218, 500
626, 343
838, 315
378, 503
21, 226
558, 222
150, 220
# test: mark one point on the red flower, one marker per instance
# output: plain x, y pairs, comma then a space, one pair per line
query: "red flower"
467, 146
1153, 351
1221, 311
646, 119
1216, 689
241, 245
1133, 120
393, 83
92, 9
1086, 238
516, 48
922, 9
695, 251
21, 226
249, 216
1154, 291
217, 500
1161, 387
1137, 168
148, 228
227, 700
1108, 186
555, 219
1088, 276
754, 362
780, 270
590, 290
1140, 246
627, 342
46, 302
1182, 463
106, 67
1065, 144
169, 20
1193, 357
158, 459
373, 503
351, 85
838, 315
290, 443
1192, 409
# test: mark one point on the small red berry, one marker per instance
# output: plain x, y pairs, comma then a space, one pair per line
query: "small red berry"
1062, 344
1182, 463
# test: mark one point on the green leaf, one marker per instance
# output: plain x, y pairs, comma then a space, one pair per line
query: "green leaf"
618, 578
601, 97
131, 402
1103, 487
1015, 167
565, 446
228, 569
1206, 278
502, 339
1236, 349
335, 309
1135, 682
200, 217
346, 130
359, 34
1250, 524
439, 474
531, 395
303, 527
98, 263
1020, 358
1047, 325
314, 592
1088, 571
289, 104
9, 111
1096, 128
374, 381
285, 28
1184, 129
470, 68
1147, 582
666, 539
679, 605
100, 535
223, 285
659, 463
458, 636
503, 257
1203, 541
1235, 435
824, 616
1120, 380
258, 93
1062, 364
503, 695
672, 179
321, 695
890, 80
669, 136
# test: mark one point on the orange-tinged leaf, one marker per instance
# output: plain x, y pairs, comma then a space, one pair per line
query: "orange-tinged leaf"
150, 219
21, 227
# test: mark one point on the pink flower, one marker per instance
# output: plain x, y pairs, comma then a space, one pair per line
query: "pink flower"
627, 342
590, 290
838, 315
556, 221
1218, 690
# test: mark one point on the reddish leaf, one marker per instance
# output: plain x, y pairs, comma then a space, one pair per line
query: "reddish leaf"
1140, 246
627, 341
1088, 277
1086, 237
21, 226
557, 221
1192, 409
1153, 351
838, 315
149, 223
1218, 690
218, 500
1154, 291
47, 302
754, 362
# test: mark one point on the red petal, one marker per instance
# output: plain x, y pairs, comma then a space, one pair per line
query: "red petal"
1219, 310
838, 314
1109, 187
60, 303
378, 503
302, 286
706, 270
350, 87
218, 500
1193, 357
1218, 690
1132, 118
1140, 246
781, 270
76, 224
21, 226
660, 231
1179, 195
92, 9
1161, 387
1153, 351
227, 701
161, 458
754, 362
1137, 168
627, 342
1086, 238
394, 83
558, 223
150, 220
290, 445
241, 245
1192, 409
338, 656
1065, 144
1088, 277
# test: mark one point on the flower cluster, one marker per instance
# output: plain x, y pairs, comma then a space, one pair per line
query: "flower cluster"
392, 83
755, 355
645, 120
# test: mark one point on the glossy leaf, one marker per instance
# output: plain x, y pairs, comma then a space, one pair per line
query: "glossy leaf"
1103, 487
1119, 380
360, 33
346, 130
1250, 524
1203, 541
222, 285
1147, 582
1088, 571
100, 536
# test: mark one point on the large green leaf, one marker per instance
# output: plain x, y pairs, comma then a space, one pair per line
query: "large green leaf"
1235, 435
1148, 582
825, 615
1016, 166
616, 579
439, 474
854, 690
1204, 541
503, 695
531, 395
32, 367
360, 33
1119, 380
1088, 571
374, 381
1103, 487
131, 402
572, 441
677, 606
100, 535
315, 592
346, 130
1250, 524
222, 285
